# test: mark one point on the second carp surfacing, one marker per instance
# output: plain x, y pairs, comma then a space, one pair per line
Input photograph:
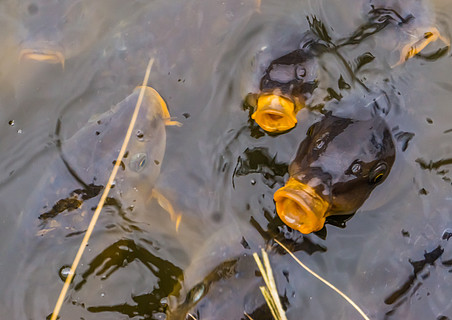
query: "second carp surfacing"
335, 169
283, 90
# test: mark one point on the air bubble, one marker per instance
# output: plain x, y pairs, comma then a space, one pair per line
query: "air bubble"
64, 272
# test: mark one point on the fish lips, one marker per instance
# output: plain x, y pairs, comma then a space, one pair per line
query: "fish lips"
47, 52
275, 113
300, 207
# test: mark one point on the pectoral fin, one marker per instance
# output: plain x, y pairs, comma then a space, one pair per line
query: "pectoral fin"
168, 207
166, 114
169, 122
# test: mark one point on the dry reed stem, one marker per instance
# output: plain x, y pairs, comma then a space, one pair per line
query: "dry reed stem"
270, 292
354, 305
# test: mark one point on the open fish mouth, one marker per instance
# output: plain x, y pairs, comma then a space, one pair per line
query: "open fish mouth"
42, 55
300, 207
275, 113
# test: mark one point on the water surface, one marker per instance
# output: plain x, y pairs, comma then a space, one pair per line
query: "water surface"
220, 170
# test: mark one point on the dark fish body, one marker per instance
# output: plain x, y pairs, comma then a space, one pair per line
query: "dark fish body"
287, 82
292, 75
335, 169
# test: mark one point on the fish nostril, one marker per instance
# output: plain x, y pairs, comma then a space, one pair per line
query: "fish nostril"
300, 72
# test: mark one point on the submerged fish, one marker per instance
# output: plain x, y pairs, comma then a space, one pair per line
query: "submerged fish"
53, 31
217, 295
335, 169
87, 159
222, 264
58, 212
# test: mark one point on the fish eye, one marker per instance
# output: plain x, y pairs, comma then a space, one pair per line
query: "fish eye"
196, 293
378, 173
138, 162
356, 168
319, 144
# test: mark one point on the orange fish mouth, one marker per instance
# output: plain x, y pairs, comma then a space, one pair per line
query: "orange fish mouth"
275, 113
300, 207
42, 55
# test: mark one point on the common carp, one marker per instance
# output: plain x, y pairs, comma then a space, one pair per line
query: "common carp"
335, 169
53, 31
58, 212
284, 88
88, 157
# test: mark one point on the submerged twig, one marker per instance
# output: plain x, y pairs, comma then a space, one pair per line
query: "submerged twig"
112, 177
270, 292
354, 305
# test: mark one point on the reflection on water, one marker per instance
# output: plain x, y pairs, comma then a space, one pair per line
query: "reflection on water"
120, 255
220, 169
259, 161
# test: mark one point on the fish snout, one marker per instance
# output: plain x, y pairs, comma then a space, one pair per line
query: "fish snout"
300, 207
275, 113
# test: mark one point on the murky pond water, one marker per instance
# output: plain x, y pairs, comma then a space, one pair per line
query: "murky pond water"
63, 64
